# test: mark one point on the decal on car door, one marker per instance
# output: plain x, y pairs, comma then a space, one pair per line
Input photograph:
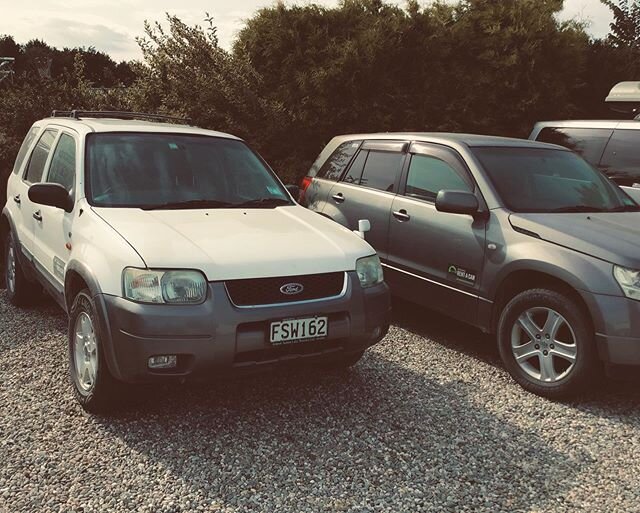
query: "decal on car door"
462, 275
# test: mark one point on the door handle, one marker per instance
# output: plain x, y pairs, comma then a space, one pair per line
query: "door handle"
37, 216
401, 215
338, 198
16, 198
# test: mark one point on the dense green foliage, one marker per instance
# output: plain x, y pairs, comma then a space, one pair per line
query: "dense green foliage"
297, 75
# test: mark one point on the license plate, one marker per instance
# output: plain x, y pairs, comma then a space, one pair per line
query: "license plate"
298, 330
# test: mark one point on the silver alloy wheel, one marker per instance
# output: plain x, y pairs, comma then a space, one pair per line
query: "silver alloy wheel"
11, 269
544, 344
85, 352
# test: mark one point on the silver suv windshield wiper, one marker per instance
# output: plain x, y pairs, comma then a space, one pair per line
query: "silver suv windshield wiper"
187, 204
577, 209
263, 203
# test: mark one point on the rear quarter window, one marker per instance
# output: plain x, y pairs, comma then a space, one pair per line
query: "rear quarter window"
335, 165
26, 144
589, 143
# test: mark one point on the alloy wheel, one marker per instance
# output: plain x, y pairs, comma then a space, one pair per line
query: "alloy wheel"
544, 344
85, 352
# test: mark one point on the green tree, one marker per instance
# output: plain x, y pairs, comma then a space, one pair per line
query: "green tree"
625, 29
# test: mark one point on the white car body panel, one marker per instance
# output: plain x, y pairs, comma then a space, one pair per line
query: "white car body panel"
229, 244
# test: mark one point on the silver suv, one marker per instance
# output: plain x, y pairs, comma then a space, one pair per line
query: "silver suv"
519, 238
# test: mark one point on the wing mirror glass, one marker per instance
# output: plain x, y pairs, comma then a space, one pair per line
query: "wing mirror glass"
52, 195
457, 202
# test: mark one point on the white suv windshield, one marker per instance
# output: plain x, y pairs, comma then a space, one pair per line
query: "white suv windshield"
152, 171
547, 180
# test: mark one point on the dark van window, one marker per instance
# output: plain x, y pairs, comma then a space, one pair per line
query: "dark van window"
39, 156
621, 160
23, 149
382, 170
589, 143
335, 165
429, 175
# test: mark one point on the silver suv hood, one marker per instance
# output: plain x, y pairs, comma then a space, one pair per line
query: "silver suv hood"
614, 237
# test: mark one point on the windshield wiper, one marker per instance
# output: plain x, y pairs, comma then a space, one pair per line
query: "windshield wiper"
577, 209
195, 203
263, 202
625, 208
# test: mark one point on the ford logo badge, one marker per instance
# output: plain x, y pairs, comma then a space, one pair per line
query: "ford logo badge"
291, 289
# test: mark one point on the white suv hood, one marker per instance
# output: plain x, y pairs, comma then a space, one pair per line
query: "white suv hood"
238, 243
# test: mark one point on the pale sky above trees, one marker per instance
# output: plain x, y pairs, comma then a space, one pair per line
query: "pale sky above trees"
112, 25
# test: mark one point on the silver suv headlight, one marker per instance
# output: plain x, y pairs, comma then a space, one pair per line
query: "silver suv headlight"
369, 271
172, 287
629, 281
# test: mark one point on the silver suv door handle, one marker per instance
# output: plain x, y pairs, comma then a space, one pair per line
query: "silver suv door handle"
17, 199
37, 216
338, 198
401, 215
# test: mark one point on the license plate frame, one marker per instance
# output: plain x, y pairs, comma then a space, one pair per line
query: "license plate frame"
297, 330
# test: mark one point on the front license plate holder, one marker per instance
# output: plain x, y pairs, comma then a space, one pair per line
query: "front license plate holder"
294, 331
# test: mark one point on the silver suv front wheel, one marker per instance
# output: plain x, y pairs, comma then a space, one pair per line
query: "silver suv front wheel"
547, 343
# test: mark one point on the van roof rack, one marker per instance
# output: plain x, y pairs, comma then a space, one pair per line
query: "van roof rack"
143, 116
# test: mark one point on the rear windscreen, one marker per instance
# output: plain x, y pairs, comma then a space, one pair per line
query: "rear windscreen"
589, 143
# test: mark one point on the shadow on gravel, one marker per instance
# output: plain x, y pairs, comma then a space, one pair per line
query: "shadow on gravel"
311, 441
617, 397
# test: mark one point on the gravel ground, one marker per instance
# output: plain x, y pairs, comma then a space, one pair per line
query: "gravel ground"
428, 421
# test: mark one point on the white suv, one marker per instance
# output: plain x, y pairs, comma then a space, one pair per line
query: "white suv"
178, 253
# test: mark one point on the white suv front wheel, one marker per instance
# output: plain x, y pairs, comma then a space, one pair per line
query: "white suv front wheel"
93, 385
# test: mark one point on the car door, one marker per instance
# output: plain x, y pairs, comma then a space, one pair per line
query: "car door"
367, 189
33, 174
435, 258
52, 232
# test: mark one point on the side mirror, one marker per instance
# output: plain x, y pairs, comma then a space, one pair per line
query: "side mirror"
52, 195
457, 202
364, 225
294, 190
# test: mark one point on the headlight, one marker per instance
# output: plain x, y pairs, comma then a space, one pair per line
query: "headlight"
629, 280
173, 287
369, 271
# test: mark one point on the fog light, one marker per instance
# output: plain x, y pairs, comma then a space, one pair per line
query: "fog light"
165, 361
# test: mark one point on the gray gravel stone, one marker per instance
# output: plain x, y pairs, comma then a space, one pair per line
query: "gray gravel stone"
427, 421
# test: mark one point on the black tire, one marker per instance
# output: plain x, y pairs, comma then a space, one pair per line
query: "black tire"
20, 291
344, 361
101, 396
574, 371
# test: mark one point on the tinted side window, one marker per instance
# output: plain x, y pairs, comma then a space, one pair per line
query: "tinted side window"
63, 163
39, 156
355, 171
333, 168
23, 149
382, 170
589, 143
430, 175
621, 160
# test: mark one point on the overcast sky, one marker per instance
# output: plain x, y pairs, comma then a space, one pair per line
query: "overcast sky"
112, 25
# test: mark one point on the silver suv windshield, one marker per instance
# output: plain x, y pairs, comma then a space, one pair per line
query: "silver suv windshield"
177, 171
548, 180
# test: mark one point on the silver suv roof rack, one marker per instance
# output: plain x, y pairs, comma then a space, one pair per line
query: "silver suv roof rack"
143, 116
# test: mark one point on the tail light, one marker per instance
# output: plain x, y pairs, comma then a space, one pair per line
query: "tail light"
304, 185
